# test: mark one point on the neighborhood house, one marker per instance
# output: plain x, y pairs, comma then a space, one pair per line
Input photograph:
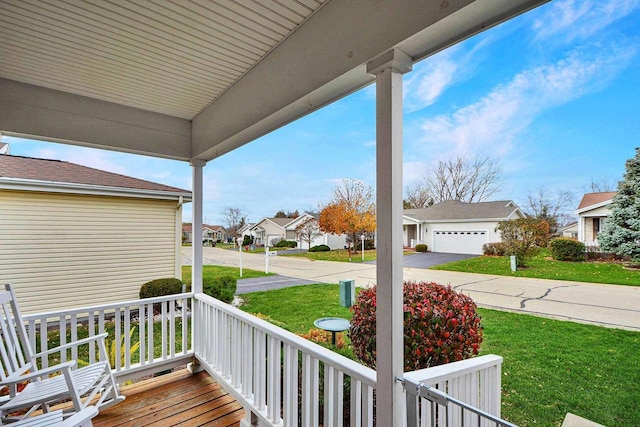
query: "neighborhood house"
269, 231
211, 234
453, 226
73, 234
593, 212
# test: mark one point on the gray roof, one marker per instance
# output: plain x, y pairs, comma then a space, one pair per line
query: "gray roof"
457, 210
33, 169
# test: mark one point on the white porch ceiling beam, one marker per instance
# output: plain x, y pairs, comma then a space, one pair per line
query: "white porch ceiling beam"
324, 60
45, 114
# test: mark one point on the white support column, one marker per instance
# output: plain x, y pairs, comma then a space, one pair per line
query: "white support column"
388, 69
196, 226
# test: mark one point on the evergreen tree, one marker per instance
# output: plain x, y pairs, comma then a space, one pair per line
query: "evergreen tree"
621, 233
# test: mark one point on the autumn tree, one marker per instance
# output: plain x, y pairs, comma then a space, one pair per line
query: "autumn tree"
234, 220
523, 237
621, 233
308, 230
350, 212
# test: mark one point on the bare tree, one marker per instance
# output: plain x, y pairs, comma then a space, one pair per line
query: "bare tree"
308, 230
602, 185
463, 179
234, 220
418, 196
550, 206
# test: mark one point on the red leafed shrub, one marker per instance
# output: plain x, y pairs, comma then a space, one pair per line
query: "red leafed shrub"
440, 326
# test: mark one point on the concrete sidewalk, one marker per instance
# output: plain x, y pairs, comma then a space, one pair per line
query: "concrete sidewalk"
605, 305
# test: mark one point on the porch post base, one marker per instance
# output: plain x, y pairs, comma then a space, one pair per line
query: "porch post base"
194, 367
250, 419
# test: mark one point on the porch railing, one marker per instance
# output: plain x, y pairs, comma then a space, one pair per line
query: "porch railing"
279, 377
464, 393
161, 339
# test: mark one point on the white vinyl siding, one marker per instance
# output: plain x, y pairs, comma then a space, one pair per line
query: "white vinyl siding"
64, 251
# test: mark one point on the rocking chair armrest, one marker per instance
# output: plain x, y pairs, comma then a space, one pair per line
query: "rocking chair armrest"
62, 367
99, 337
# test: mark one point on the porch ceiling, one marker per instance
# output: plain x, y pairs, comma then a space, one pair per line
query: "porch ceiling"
197, 79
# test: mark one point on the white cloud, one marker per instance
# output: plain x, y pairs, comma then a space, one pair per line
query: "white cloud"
570, 20
490, 125
429, 80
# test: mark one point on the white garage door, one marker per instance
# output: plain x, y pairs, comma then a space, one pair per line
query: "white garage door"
459, 242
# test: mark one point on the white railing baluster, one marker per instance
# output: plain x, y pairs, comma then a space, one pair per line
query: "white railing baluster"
151, 352
172, 328
274, 378
44, 342
142, 333
367, 403
290, 413
92, 331
339, 413
329, 395
163, 328
127, 337
355, 409
73, 324
259, 369
62, 328
117, 342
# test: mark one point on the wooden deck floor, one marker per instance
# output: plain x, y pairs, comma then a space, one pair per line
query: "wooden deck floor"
179, 398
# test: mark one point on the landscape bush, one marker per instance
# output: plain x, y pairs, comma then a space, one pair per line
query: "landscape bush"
440, 326
563, 249
221, 287
160, 288
319, 248
421, 247
286, 244
497, 249
247, 240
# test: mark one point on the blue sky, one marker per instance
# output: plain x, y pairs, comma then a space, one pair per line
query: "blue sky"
552, 95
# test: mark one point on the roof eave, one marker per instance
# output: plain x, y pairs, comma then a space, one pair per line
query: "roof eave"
592, 207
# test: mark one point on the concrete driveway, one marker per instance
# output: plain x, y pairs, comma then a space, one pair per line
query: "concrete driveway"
604, 305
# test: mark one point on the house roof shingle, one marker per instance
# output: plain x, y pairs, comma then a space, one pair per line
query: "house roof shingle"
457, 210
591, 199
30, 168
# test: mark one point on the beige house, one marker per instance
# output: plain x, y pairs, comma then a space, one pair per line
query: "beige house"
593, 213
210, 233
453, 226
268, 230
73, 234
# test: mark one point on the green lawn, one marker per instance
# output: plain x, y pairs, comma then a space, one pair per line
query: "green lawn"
211, 271
542, 267
550, 367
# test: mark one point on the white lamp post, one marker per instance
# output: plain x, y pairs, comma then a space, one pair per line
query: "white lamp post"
240, 253
362, 238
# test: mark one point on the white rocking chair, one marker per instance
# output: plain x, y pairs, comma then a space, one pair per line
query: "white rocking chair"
89, 385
